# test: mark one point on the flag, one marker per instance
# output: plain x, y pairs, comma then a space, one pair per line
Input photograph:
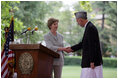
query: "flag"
10, 36
7, 64
6, 52
4, 67
10, 63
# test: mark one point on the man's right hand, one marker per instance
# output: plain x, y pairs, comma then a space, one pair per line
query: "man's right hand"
68, 50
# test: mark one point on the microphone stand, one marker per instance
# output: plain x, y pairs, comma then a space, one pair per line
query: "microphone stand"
27, 37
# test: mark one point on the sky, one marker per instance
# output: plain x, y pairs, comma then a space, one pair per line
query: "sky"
69, 2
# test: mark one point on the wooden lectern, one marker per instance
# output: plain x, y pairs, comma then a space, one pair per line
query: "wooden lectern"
33, 60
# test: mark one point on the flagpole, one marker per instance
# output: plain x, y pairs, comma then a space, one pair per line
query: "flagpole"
11, 11
12, 42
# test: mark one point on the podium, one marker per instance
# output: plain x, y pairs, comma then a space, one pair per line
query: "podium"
33, 60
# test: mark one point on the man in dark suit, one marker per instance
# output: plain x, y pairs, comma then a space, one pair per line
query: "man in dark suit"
91, 53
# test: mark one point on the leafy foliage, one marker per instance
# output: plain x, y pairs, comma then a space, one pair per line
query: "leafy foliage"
36, 13
6, 18
108, 35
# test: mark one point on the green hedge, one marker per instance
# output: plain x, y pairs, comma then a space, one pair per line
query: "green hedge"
76, 60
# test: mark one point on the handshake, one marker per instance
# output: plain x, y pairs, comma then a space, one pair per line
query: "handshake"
66, 49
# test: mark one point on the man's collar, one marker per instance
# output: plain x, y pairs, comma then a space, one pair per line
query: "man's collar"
86, 24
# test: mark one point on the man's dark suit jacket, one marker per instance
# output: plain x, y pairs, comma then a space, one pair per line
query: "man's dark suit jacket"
90, 46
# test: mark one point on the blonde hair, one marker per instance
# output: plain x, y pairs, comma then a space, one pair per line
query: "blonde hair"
51, 21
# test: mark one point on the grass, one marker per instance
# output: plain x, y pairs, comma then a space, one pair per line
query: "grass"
75, 71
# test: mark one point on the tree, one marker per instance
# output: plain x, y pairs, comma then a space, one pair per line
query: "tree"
32, 13
6, 6
108, 34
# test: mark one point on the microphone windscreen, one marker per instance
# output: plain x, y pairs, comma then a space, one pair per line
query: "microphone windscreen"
36, 28
28, 28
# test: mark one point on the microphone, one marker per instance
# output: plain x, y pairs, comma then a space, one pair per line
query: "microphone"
35, 29
28, 29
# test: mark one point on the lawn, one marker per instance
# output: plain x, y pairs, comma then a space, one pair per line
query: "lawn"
74, 72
